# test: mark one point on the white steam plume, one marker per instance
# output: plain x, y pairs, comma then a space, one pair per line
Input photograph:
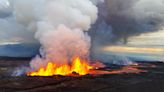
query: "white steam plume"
60, 27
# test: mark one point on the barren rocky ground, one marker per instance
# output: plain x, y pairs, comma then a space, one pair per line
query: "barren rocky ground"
150, 81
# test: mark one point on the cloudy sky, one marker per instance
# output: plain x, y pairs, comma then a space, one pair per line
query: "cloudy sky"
8, 35
148, 39
6, 32
10, 31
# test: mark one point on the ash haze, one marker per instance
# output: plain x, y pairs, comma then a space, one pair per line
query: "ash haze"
120, 23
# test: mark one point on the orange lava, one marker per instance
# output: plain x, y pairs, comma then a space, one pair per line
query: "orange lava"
123, 70
78, 66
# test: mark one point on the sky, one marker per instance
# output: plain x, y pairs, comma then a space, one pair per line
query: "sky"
10, 36
148, 39
147, 47
145, 39
10, 31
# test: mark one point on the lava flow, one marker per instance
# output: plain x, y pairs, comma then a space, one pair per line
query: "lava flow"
78, 66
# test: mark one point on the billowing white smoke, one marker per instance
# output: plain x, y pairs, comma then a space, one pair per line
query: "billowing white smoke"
60, 27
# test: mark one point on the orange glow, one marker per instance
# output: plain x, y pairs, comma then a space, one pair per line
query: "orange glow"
78, 66
124, 70
133, 49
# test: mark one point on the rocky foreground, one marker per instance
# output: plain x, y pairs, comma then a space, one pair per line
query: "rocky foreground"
150, 81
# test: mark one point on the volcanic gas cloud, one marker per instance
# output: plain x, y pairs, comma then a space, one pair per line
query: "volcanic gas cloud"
60, 28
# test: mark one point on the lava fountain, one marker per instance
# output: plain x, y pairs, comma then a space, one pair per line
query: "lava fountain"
82, 67
78, 66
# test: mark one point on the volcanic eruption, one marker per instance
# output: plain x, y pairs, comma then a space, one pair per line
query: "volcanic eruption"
81, 45
77, 66
61, 28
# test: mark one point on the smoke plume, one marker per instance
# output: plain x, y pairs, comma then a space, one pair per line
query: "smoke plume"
60, 27
120, 19
125, 18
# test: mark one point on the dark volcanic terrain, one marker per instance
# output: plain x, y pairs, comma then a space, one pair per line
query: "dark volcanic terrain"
150, 81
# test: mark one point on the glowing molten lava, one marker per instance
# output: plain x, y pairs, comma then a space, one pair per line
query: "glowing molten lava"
78, 66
